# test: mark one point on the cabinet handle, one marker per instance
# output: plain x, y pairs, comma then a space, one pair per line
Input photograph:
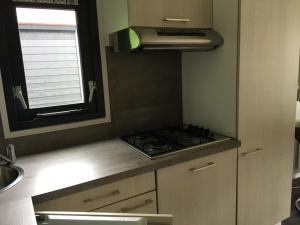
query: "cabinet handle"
128, 209
208, 165
258, 150
176, 20
110, 194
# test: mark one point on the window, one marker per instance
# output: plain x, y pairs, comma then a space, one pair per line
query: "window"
50, 62
51, 57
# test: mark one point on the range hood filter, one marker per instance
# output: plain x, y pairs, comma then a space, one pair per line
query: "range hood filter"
137, 38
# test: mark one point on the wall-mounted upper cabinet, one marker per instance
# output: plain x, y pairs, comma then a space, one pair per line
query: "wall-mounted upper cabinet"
170, 13
121, 14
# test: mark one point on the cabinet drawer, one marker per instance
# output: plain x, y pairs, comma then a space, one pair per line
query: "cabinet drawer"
101, 196
145, 203
170, 13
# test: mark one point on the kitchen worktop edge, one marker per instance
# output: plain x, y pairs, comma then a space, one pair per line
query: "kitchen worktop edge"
110, 161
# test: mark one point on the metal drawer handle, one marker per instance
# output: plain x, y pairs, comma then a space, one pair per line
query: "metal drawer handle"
176, 20
110, 194
258, 150
145, 203
208, 165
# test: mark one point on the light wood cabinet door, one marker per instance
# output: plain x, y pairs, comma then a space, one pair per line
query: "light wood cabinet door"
171, 13
200, 192
269, 58
145, 204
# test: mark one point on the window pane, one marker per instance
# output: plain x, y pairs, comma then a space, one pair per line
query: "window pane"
51, 57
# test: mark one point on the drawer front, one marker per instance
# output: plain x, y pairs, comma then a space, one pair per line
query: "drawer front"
171, 13
101, 196
145, 203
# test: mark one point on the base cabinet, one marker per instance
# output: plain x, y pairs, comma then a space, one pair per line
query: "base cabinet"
200, 192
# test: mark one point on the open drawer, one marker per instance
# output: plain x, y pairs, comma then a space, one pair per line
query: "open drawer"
63, 218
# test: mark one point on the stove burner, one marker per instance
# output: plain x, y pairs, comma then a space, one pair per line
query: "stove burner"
162, 141
141, 139
156, 148
172, 134
188, 140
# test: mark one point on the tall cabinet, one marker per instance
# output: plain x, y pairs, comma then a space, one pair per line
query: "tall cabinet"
268, 69
260, 57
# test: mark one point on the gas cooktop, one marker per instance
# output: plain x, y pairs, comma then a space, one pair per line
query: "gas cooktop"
166, 141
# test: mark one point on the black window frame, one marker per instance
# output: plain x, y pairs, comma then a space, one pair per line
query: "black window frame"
13, 74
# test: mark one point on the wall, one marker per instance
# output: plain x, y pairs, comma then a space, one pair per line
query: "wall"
145, 92
209, 78
114, 16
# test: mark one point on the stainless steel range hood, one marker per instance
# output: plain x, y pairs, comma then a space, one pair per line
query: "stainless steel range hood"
137, 38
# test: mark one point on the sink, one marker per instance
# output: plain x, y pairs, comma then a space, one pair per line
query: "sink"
9, 176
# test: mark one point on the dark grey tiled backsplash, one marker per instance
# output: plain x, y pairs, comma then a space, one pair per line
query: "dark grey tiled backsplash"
145, 92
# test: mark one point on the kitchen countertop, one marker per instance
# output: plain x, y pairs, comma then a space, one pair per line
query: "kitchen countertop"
59, 173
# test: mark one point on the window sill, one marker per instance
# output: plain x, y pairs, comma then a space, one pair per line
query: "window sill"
15, 134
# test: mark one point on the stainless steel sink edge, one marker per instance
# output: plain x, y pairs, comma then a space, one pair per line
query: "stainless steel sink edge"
20, 176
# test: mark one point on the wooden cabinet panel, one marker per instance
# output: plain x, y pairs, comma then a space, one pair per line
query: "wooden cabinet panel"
264, 187
101, 196
269, 57
145, 203
202, 191
154, 13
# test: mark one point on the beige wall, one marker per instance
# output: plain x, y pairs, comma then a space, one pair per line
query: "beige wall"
209, 78
115, 16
